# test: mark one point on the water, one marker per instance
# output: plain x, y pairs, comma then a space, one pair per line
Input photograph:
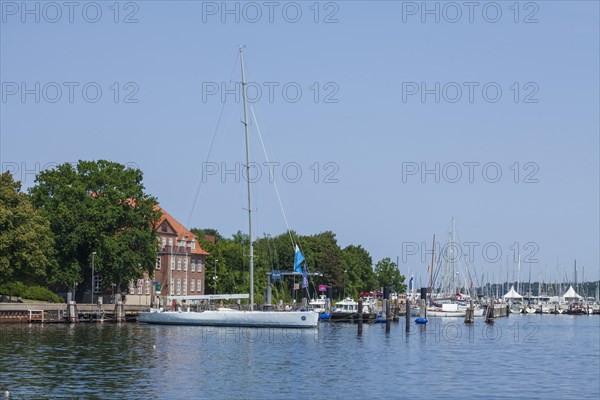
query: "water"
519, 357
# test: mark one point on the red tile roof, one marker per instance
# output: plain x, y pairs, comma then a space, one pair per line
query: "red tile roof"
179, 229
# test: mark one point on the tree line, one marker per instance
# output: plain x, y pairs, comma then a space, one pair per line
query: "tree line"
347, 270
100, 210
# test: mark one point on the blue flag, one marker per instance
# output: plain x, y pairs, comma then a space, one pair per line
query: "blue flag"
304, 277
298, 260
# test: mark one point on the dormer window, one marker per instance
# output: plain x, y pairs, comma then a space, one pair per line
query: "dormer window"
193, 244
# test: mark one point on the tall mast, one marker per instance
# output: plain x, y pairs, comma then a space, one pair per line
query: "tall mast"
248, 180
431, 270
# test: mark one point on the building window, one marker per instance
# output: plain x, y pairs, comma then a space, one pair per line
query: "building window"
185, 287
131, 287
157, 262
178, 287
172, 264
185, 262
199, 265
193, 244
164, 242
170, 241
179, 264
171, 288
193, 265
147, 286
192, 285
199, 286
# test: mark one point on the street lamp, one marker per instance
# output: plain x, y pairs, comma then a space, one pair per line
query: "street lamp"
215, 278
93, 254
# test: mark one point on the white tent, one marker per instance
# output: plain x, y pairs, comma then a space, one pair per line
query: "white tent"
512, 294
571, 294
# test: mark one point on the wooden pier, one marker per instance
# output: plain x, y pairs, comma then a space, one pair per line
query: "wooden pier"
496, 311
72, 312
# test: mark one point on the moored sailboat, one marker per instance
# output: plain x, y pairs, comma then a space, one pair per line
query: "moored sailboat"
230, 317
449, 302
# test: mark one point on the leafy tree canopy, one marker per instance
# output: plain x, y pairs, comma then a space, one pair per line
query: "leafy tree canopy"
349, 269
389, 276
26, 242
98, 206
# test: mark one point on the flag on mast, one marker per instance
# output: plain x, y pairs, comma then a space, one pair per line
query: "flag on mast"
304, 277
298, 260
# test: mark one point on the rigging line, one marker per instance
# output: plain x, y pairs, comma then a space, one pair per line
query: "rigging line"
287, 225
210, 147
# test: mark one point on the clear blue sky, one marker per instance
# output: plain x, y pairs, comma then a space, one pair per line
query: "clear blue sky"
374, 58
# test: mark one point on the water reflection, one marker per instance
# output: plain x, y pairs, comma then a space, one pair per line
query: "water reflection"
445, 357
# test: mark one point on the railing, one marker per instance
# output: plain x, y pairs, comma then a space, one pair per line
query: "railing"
36, 315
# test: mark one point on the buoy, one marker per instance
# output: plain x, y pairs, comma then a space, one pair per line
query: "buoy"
325, 316
6, 394
421, 321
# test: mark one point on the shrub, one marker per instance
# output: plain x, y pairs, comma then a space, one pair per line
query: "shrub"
30, 292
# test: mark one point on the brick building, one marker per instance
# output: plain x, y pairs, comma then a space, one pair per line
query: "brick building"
180, 265
180, 262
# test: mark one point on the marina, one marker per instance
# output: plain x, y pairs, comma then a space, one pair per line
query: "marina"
337, 200
121, 360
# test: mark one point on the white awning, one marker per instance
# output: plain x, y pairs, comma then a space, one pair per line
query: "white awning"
512, 294
571, 294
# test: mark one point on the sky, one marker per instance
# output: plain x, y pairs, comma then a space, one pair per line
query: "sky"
382, 120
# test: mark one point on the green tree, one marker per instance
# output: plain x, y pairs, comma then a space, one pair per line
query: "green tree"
389, 276
276, 253
358, 266
323, 255
26, 242
98, 206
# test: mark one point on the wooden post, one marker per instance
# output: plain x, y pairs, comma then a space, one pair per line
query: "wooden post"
388, 315
119, 312
360, 316
72, 312
407, 315
490, 312
396, 308
469, 316
422, 309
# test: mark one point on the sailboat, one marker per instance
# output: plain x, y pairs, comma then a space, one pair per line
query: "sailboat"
449, 302
230, 317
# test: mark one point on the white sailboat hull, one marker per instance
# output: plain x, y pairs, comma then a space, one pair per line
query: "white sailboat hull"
441, 313
436, 312
234, 318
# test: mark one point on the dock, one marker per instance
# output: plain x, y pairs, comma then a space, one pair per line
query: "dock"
64, 313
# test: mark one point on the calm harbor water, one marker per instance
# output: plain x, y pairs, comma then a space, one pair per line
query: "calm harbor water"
547, 357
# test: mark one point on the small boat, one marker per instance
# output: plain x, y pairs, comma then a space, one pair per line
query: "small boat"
347, 310
318, 305
528, 309
515, 309
447, 310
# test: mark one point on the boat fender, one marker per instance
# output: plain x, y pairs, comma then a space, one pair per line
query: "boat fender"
325, 316
421, 321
